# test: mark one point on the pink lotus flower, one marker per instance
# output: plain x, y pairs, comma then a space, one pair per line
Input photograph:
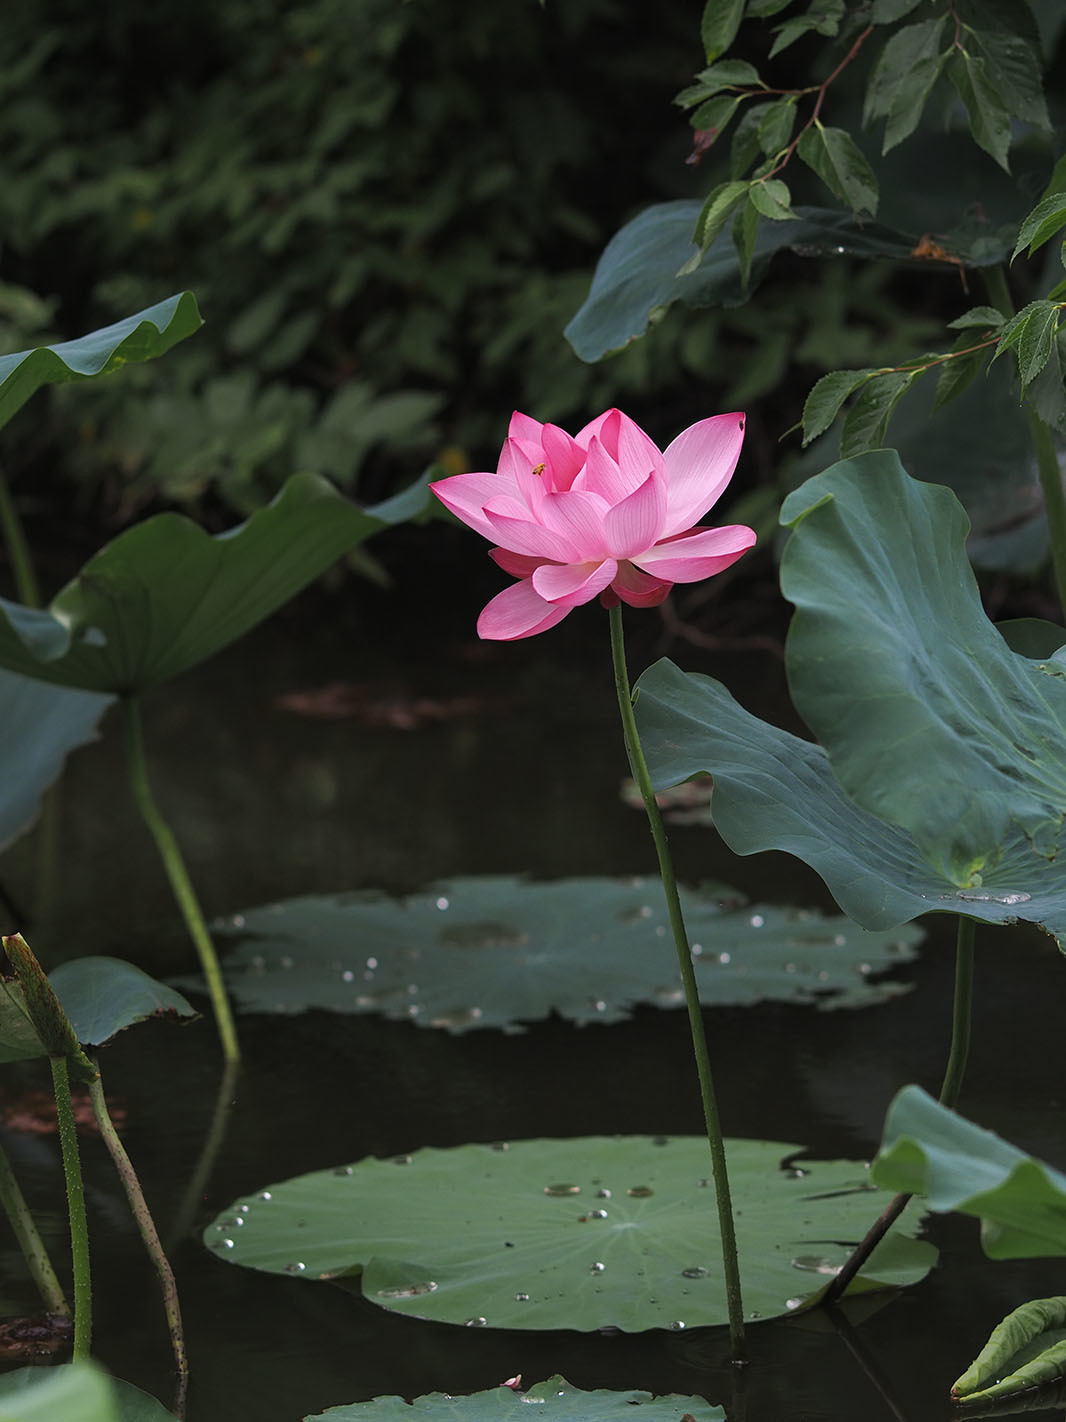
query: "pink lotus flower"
605, 514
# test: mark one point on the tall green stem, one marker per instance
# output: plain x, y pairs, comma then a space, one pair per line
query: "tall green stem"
18, 550
1047, 462
719, 1172
961, 1016
79, 1229
149, 1234
30, 1242
178, 875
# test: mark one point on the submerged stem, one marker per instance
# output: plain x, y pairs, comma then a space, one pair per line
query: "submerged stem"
150, 1235
30, 1242
719, 1172
180, 883
79, 1229
961, 1014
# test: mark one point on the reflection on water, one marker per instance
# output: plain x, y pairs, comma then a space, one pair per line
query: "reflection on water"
517, 769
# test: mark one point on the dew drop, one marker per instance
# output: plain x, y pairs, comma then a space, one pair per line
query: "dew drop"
521, 1298
264, 1195
839, 940
696, 950
725, 957
815, 1264
442, 903
593, 1215
371, 963
477, 1322
596, 1268
599, 1005
365, 1000
296, 1267
409, 1291
342, 1170
603, 1194
562, 1189
697, 1271
501, 1145
640, 1192
226, 1243
793, 1303
703, 1184
243, 1209
795, 1172
401, 1160
237, 920
756, 920
414, 1010
677, 1326
348, 976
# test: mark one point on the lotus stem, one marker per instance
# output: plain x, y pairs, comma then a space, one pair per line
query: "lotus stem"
178, 875
30, 1242
148, 1232
79, 1229
731, 1268
27, 589
961, 1017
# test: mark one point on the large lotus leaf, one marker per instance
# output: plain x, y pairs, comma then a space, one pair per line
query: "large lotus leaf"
927, 1149
588, 1233
773, 790
555, 1399
39, 726
930, 721
100, 996
166, 594
636, 278
491, 952
148, 334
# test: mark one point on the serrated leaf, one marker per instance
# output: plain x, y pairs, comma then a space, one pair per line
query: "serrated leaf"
714, 116
745, 229
427, 1232
902, 79
719, 204
823, 16
1047, 218
726, 74
771, 198
1045, 391
823, 403
148, 334
775, 127
1031, 334
555, 1400
719, 25
498, 952
989, 119
835, 157
1004, 36
956, 375
985, 317
866, 422
929, 1149
746, 146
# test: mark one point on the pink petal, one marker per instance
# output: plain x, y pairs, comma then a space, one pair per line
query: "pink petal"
467, 494
699, 464
636, 523
517, 612
579, 518
519, 565
519, 461
691, 557
639, 589
604, 428
571, 586
526, 535
524, 427
602, 476
564, 456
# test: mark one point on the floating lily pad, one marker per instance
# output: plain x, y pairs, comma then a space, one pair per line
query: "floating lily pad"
496, 951
555, 1399
74, 1392
100, 996
929, 1150
589, 1233
39, 726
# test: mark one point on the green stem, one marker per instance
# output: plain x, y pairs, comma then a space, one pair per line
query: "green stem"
18, 550
961, 1016
1043, 446
178, 875
30, 1242
150, 1235
731, 1267
79, 1230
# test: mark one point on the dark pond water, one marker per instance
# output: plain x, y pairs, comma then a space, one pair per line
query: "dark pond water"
270, 803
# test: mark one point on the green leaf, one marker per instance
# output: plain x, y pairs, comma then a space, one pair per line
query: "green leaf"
823, 16
834, 156
40, 725
148, 334
986, 318
554, 1399
1027, 1349
1047, 218
104, 996
771, 197
961, 742
775, 127
1032, 637
745, 230
929, 1150
498, 952
74, 1392
512, 1235
887, 12
719, 25
637, 276
1045, 392
958, 374
714, 115
989, 119
1003, 34
826, 397
166, 595
719, 204
902, 79
866, 422
1031, 334
746, 146
727, 74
